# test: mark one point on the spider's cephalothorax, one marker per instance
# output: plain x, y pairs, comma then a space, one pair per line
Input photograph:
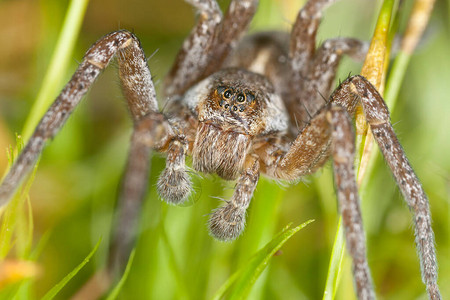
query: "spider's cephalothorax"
241, 107
233, 107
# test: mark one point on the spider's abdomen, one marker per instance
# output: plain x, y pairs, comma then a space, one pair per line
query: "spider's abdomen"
219, 151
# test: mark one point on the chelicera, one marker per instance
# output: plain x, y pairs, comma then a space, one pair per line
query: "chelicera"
241, 107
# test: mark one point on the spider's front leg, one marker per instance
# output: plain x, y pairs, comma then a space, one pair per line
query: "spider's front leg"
377, 115
343, 153
151, 130
308, 152
97, 58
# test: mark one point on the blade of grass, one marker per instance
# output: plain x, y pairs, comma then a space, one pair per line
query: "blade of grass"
57, 70
240, 283
334, 268
417, 23
57, 288
182, 290
262, 218
115, 292
15, 223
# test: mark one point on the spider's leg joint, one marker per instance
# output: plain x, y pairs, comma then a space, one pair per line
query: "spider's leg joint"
126, 44
98, 64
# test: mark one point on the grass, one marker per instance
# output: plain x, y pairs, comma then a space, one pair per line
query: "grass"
75, 186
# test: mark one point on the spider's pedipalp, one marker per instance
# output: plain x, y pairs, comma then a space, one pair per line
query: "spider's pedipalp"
174, 183
227, 222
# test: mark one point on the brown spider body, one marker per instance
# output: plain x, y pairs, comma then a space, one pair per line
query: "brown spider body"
233, 107
241, 107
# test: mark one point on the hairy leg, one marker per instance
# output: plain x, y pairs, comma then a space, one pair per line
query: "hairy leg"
377, 116
308, 149
209, 43
343, 153
290, 161
192, 59
318, 83
308, 152
96, 59
152, 131
313, 70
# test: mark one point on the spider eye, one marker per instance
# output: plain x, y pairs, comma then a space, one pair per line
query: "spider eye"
250, 97
227, 94
240, 98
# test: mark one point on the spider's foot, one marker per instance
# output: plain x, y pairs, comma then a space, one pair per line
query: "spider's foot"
227, 222
174, 186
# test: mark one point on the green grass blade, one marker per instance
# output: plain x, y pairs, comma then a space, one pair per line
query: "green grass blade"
334, 268
261, 227
240, 283
58, 65
262, 218
55, 290
115, 292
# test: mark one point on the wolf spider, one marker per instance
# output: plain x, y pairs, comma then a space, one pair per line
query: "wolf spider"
241, 107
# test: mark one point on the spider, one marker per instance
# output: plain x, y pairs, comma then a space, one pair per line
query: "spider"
241, 107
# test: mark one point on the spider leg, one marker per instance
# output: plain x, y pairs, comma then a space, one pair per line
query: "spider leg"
303, 35
309, 151
318, 83
192, 59
377, 116
210, 41
343, 153
309, 148
227, 222
95, 60
150, 132
234, 24
313, 70
302, 157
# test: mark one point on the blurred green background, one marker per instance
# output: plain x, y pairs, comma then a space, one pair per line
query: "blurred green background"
77, 181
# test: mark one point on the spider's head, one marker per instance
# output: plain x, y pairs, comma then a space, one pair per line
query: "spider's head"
239, 101
232, 107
